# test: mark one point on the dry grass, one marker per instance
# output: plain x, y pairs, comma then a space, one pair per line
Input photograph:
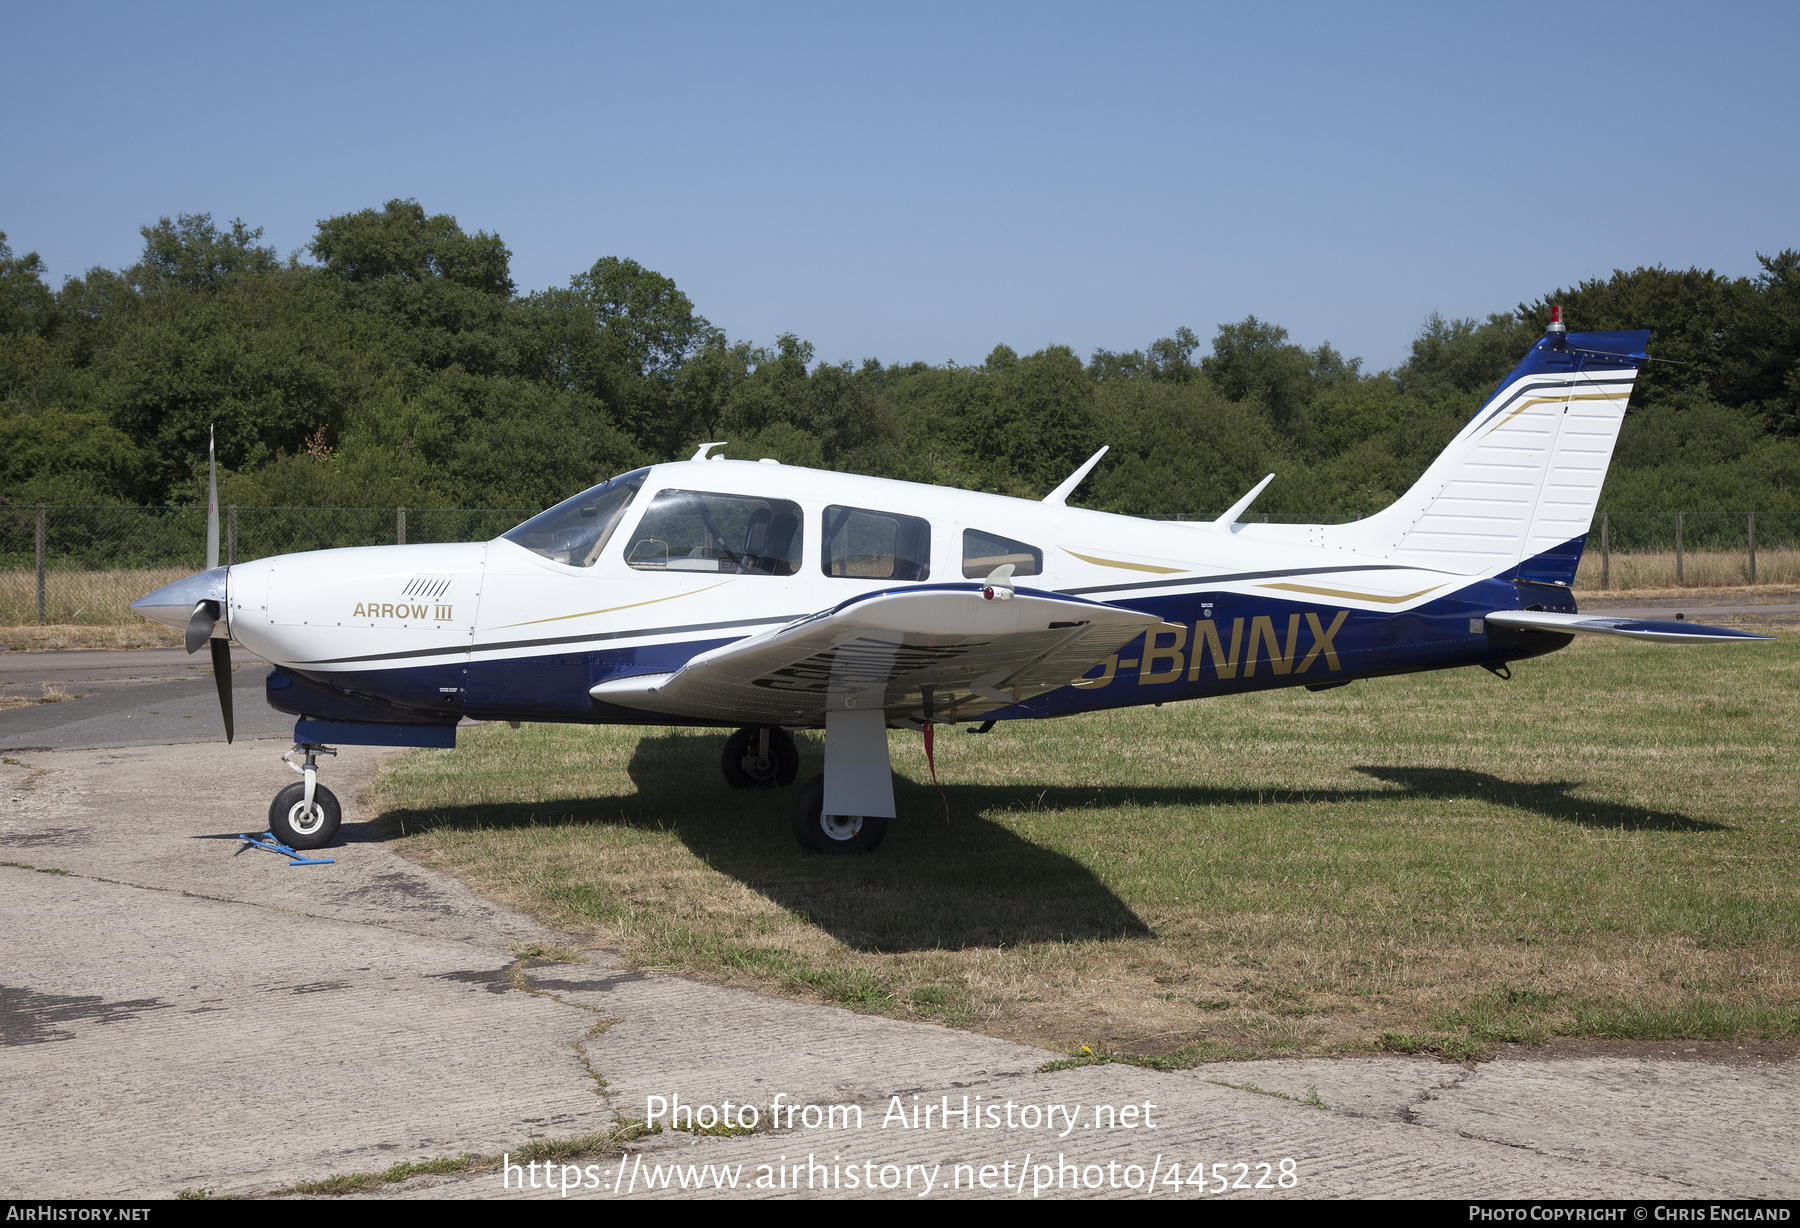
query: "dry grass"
81, 598
1655, 569
52, 694
32, 638
1606, 845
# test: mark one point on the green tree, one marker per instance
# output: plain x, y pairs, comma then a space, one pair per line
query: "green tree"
191, 254
1254, 361
400, 243
26, 304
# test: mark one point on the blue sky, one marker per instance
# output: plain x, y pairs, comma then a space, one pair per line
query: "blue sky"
926, 181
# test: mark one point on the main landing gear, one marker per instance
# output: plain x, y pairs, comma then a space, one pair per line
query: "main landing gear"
305, 815
819, 832
760, 757
847, 809
861, 794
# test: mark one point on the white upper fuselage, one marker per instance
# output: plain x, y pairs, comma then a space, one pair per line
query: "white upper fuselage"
395, 606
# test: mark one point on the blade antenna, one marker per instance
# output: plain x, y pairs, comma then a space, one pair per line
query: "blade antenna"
1242, 505
1060, 495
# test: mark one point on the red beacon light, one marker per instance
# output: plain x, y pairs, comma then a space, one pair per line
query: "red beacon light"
1556, 321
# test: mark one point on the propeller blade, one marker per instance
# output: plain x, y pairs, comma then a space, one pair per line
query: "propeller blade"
200, 626
212, 510
221, 655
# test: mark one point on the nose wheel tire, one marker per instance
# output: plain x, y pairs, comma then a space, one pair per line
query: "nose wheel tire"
819, 832
760, 757
290, 823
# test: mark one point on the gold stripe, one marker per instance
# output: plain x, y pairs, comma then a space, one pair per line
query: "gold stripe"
1595, 396
609, 609
1089, 558
1337, 592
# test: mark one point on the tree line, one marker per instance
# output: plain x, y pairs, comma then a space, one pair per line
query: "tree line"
398, 364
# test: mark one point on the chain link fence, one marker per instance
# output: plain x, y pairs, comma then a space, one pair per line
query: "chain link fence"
1648, 550
71, 566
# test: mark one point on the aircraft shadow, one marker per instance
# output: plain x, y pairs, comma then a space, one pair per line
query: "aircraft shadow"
972, 882
1548, 798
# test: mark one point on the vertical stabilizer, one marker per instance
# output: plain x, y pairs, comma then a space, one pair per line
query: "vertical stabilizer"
1515, 491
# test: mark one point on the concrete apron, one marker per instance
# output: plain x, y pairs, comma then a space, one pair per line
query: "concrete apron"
177, 1011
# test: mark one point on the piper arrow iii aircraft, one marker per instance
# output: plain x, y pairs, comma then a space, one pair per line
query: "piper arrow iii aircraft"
764, 598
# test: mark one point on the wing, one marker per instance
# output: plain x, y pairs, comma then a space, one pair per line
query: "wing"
946, 650
1629, 628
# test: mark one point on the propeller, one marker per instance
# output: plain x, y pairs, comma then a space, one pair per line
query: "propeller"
207, 613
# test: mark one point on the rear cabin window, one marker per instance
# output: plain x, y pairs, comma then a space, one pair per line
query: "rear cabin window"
695, 530
982, 552
869, 545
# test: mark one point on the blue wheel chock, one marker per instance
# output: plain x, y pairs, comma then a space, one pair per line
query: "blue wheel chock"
276, 846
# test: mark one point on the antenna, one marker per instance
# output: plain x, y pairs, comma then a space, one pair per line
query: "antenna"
1242, 505
1060, 496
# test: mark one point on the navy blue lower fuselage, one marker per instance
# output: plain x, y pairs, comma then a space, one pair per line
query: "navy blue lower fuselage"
1212, 643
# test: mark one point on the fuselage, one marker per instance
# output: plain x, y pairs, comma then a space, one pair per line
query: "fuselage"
503, 630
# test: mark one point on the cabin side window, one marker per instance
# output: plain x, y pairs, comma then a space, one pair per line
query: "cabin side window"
575, 531
868, 545
695, 530
982, 552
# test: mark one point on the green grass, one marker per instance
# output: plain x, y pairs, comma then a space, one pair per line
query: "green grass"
1311, 1097
601, 1142
1606, 846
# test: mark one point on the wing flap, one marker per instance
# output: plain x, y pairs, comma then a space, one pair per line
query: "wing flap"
949, 650
1655, 631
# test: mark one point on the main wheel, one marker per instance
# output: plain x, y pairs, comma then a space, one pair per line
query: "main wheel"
819, 832
749, 763
290, 824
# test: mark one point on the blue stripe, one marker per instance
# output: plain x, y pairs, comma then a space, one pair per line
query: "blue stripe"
553, 687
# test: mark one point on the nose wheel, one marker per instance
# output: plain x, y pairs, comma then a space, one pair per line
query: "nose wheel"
306, 814
760, 757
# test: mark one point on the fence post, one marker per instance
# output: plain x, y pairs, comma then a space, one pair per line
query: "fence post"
400, 526
1753, 547
1605, 553
1678, 581
231, 536
40, 563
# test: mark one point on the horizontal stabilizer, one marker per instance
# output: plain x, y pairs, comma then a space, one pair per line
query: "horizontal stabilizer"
949, 652
1629, 628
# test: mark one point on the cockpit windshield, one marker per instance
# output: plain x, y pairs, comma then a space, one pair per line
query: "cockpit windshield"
576, 530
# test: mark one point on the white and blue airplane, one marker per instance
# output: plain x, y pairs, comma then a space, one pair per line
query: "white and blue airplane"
764, 598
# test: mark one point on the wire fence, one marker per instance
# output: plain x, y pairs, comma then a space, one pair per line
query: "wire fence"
67, 565
70, 566
1648, 550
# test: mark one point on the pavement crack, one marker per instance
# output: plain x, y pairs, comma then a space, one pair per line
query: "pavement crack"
188, 892
519, 974
1409, 1113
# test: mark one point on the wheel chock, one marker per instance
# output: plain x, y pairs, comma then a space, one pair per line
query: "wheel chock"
276, 846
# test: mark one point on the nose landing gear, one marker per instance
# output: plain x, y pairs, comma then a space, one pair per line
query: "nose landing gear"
305, 815
760, 757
